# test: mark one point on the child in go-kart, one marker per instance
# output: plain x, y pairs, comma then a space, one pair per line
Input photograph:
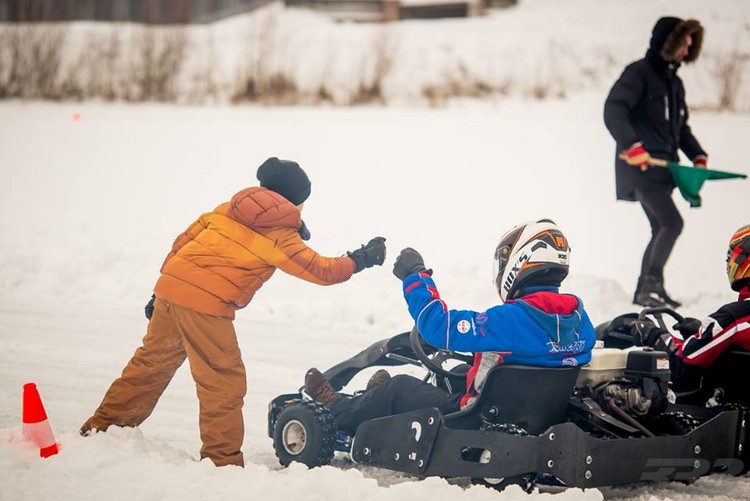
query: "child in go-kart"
536, 326
703, 341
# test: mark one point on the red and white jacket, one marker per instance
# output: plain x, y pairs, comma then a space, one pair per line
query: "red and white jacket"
726, 327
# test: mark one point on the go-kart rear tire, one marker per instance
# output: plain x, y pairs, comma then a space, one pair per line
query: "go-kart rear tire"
304, 433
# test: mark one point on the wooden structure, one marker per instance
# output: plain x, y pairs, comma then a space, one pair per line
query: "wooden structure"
205, 11
393, 10
139, 11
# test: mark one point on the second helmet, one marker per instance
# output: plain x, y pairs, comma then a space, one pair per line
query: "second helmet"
738, 258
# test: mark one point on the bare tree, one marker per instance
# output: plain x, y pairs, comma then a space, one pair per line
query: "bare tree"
160, 56
375, 70
30, 58
728, 70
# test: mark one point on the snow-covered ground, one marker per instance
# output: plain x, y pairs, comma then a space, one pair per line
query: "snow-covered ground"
93, 195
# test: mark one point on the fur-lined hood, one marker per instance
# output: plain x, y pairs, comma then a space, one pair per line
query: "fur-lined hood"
670, 32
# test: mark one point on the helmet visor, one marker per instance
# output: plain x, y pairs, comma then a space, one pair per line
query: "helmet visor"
500, 261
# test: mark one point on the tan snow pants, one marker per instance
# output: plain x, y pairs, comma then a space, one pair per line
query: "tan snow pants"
210, 345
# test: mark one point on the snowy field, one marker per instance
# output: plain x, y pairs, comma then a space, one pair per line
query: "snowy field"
93, 195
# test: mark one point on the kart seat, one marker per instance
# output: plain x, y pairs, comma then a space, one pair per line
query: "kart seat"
533, 398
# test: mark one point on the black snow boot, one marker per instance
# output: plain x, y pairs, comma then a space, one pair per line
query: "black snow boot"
650, 293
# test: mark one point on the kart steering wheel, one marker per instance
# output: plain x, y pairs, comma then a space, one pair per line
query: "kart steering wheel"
416, 342
658, 314
616, 333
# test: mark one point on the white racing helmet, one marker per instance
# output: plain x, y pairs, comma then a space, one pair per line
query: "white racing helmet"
533, 253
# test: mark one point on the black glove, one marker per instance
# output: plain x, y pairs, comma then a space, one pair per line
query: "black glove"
368, 255
149, 309
688, 327
644, 332
408, 261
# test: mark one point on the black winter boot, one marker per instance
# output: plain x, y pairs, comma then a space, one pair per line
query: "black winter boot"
650, 293
659, 289
643, 296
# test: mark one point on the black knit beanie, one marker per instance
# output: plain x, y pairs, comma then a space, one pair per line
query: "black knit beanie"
285, 178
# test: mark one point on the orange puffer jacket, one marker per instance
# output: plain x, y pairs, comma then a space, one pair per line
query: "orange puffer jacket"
224, 257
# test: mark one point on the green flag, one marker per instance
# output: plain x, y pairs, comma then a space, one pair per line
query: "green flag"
690, 180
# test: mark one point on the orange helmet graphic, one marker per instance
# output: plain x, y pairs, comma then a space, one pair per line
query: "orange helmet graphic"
738, 258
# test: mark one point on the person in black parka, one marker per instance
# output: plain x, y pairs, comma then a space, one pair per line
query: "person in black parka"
646, 114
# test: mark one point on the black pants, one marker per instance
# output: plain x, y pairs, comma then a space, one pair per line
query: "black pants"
666, 226
399, 394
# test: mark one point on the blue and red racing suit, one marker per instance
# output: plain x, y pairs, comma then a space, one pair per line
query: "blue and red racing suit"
540, 328
726, 327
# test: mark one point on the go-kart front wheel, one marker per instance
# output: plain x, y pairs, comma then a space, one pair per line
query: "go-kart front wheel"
304, 433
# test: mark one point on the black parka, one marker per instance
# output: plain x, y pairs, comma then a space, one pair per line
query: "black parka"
647, 104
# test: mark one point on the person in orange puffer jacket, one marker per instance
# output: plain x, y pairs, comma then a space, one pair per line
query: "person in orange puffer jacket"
214, 268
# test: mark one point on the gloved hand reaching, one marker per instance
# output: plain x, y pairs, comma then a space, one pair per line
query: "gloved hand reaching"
149, 309
370, 254
700, 161
637, 156
688, 327
408, 261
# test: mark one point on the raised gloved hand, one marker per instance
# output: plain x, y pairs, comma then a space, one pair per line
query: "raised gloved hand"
688, 327
408, 261
149, 309
700, 161
637, 156
644, 332
370, 254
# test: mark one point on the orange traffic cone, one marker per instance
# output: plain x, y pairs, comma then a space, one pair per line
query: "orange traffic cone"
35, 424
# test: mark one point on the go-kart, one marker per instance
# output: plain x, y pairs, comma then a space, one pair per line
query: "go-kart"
614, 421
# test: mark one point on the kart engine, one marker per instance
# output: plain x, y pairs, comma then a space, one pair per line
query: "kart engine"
644, 388
627, 396
636, 381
